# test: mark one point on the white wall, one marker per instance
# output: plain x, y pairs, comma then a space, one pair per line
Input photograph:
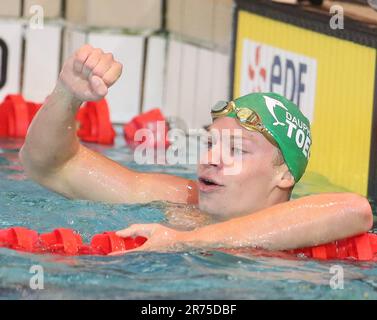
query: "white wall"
11, 34
154, 80
42, 62
124, 97
196, 79
182, 79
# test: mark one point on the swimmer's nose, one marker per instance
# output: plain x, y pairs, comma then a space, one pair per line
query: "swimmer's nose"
213, 156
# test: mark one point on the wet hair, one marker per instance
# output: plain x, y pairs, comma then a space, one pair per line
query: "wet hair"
278, 159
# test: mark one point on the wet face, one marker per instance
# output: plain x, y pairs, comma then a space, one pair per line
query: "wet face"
236, 178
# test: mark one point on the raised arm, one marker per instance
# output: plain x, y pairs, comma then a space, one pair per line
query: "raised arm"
53, 156
308, 221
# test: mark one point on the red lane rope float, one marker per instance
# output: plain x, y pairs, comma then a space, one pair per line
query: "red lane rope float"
16, 115
65, 242
152, 120
362, 248
18, 238
95, 124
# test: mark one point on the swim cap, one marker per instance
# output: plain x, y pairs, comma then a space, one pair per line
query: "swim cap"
286, 124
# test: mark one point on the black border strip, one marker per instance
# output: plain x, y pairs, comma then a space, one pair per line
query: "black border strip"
353, 31
372, 177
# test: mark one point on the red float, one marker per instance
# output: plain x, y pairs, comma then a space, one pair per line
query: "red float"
16, 115
153, 121
95, 124
362, 248
66, 242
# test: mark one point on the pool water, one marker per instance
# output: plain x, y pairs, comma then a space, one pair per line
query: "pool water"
188, 275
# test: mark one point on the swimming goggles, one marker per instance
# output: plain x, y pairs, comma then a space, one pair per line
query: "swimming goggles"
246, 117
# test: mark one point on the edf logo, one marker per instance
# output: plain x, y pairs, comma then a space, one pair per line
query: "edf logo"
287, 77
270, 69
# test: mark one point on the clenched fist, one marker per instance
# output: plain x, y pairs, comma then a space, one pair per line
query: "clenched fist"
89, 73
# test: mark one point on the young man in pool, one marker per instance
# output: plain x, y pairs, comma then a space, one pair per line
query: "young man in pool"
248, 209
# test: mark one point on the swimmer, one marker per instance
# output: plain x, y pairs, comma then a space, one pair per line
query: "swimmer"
249, 209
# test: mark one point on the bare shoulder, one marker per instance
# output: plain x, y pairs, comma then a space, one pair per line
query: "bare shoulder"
185, 216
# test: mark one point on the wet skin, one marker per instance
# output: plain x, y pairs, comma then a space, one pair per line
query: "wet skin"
252, 205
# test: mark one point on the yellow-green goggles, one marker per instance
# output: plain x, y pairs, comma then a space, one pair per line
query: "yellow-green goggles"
246, 117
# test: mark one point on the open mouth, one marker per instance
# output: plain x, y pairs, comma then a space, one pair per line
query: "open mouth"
209, 182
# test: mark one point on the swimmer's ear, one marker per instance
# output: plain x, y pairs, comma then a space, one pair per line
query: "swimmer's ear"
285, 179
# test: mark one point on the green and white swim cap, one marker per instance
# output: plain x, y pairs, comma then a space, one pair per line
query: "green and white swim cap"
287, 125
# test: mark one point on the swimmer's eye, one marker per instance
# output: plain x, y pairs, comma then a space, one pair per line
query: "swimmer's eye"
235, 150
238, 148
238, 151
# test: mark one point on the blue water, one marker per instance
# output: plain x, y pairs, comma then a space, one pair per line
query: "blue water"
189, 275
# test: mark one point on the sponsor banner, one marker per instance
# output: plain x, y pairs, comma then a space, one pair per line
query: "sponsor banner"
331, 79
269, 69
